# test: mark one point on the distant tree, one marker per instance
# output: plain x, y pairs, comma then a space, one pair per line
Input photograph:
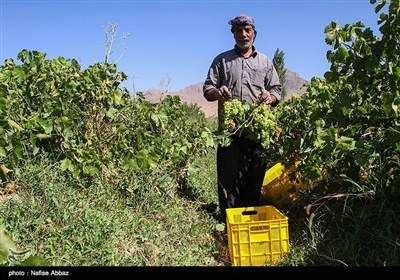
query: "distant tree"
279, 63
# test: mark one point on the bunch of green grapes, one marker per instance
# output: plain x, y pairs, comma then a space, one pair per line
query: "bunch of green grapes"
262, 124
234, 115
256, 122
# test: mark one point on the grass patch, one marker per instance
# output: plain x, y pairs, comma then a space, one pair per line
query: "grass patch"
71, 224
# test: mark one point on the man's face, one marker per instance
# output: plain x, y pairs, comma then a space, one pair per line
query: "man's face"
244, 36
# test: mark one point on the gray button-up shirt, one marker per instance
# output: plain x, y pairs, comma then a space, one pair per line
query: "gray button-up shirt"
246, 77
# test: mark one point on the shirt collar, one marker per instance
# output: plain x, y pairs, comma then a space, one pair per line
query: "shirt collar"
253, 54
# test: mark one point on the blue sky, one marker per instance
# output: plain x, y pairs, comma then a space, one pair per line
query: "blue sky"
171, 43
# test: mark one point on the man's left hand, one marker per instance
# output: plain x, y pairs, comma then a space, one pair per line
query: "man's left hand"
268, 98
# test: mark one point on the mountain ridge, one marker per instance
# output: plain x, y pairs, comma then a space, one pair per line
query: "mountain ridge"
193, 94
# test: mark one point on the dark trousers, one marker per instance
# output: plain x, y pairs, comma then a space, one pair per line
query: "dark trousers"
241, 173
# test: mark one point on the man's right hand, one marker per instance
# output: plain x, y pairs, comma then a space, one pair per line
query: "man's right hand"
224, 94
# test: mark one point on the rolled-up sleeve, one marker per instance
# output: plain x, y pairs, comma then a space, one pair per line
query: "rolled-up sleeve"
272, 83
213, 77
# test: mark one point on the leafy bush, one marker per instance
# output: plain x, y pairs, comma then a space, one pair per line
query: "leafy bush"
88, 122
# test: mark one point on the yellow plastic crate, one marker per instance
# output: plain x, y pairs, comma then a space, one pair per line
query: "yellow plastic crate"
257, 236
277, 186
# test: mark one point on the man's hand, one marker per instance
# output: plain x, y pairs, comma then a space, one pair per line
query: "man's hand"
267, 98
224, 94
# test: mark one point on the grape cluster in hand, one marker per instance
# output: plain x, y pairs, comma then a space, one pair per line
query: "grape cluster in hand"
256, 121
234, 114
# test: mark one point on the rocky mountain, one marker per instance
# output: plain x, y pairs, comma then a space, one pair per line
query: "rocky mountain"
193, 94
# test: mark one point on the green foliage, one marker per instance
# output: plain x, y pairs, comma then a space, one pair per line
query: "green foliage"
51, 107
85, 120
58, 217
104, 149
348, 123
11, 256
